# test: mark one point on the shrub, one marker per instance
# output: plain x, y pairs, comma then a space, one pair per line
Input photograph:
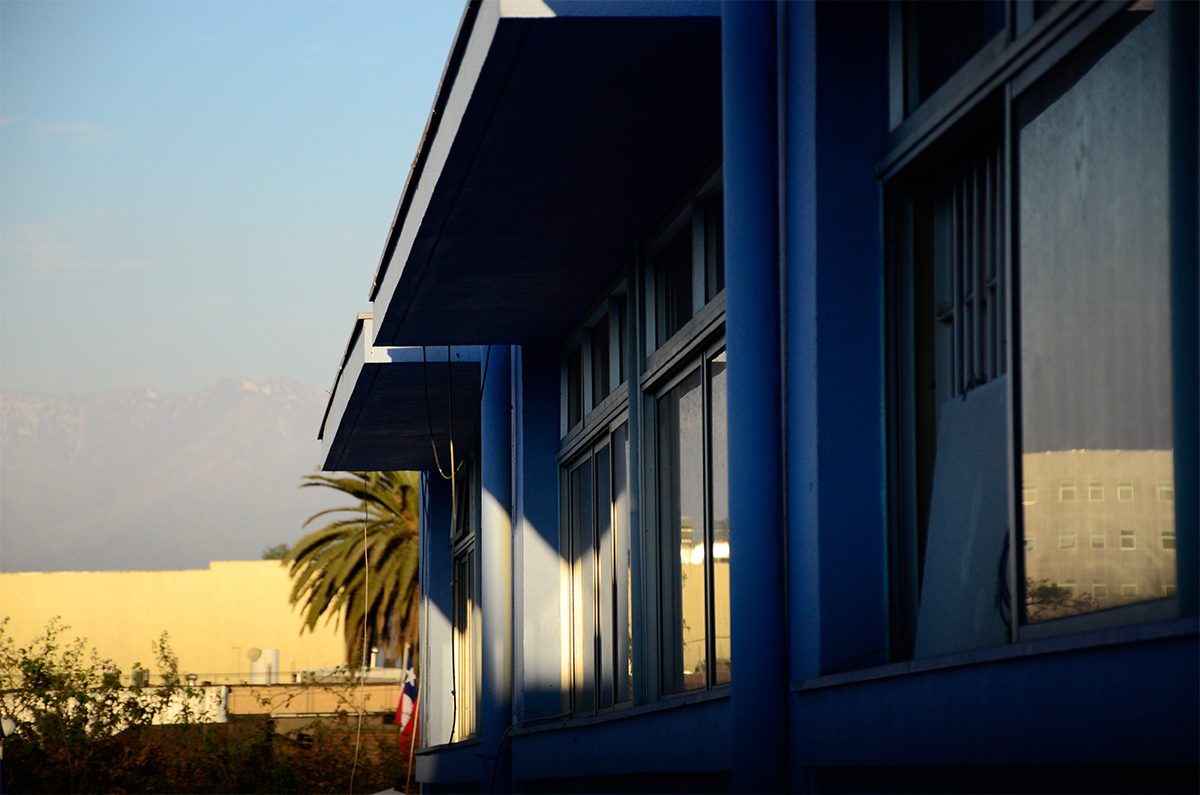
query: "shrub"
80, 730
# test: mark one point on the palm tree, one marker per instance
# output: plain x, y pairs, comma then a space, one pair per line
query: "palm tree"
328, 571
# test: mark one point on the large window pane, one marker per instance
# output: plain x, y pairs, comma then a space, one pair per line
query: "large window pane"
681, 533
1095, 327
673, 284
623, 566
720, 518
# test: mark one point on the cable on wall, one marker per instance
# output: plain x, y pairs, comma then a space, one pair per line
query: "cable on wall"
362, 672
452, 474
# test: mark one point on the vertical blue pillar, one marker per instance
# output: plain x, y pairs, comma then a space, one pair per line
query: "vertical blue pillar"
804, 596
495, 559
757, 587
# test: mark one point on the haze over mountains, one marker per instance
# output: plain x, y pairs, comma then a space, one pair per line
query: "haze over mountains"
131, 479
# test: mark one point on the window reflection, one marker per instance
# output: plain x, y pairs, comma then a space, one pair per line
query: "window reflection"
1095, 326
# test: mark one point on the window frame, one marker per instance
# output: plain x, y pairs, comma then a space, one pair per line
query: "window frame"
466, 641
663, 365
990, 82
572, 459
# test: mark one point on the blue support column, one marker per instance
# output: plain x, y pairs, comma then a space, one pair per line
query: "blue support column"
495, 558
757, 588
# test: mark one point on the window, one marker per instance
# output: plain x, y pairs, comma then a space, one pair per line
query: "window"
1129, 590
595, 523
596, 361
693, 527
1168, 539
597, 550
1030, 239
685, 402
1166, 492
467, 640
1099, 589
670, 393
941, 36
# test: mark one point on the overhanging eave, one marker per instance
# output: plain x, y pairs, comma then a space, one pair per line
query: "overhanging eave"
560, 144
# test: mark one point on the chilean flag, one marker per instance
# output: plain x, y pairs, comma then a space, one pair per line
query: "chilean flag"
408, 698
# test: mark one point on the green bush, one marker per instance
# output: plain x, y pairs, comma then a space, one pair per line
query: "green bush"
80, 730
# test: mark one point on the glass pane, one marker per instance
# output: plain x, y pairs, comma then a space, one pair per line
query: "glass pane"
574, 387
622, 305
719, 468
673, 284
714, 244
681, 533
1095, 328
941, 36
600, 379
622, 565
584, 588
605, 587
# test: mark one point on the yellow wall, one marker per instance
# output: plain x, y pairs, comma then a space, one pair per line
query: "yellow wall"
214, 616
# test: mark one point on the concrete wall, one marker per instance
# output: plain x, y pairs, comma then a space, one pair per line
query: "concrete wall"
214, 616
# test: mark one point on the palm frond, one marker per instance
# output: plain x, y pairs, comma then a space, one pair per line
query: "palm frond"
329, 573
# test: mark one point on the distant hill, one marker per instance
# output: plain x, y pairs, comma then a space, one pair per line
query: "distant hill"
132, 479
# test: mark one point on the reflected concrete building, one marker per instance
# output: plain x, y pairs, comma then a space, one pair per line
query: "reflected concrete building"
1101, 523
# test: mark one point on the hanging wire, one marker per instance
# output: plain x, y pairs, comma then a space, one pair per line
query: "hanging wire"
362, 671
452, 476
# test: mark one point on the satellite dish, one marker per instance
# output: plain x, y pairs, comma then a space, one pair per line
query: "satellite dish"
254, 653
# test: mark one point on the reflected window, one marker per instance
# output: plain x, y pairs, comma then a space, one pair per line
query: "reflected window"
1093, 255
1053, 182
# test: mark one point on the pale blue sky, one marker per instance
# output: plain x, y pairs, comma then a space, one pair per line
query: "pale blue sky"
195, 190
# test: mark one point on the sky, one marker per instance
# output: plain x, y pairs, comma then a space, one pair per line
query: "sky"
196, 190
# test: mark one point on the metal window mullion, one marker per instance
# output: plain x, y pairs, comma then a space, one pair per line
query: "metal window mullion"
956, 275
970, 261
710, 644
978, 276
1006, 194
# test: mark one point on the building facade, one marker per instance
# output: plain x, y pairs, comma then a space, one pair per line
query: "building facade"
806, 395
213, 618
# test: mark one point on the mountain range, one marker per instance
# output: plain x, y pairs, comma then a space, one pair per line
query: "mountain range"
134, 480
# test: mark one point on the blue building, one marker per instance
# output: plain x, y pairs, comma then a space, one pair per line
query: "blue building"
806, 395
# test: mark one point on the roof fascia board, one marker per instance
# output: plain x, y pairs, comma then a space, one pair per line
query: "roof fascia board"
360, 367
405, 229
469, 54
